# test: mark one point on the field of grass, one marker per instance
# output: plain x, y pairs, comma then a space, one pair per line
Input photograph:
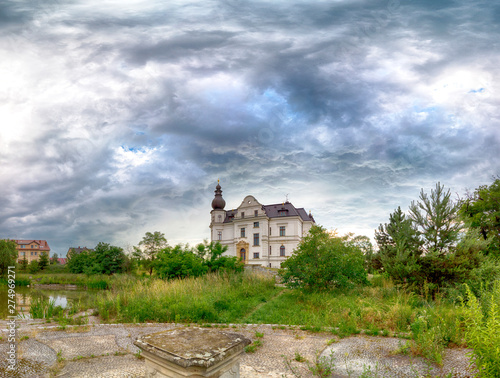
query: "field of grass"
213, 298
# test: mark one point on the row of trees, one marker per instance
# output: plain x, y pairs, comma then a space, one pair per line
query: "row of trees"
154, 254
441, 242
438, 243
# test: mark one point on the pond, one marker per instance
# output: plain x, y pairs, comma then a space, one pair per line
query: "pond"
63, 297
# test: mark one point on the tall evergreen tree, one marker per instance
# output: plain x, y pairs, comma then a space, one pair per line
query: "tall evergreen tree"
43, 261
399, 247
436, 218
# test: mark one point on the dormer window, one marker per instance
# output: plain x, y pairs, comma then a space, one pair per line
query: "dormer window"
283, 212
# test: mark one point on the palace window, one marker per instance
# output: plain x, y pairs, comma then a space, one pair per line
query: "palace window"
256, 255
282, 230
243, 232
255, 239
256, 212
243, 215
282, 213
269, 231
282, 250
269, 250
219, 235
255, 224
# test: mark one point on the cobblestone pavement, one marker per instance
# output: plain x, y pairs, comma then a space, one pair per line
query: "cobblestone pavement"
107, 351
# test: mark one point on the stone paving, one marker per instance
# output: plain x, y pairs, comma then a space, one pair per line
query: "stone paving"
107, 351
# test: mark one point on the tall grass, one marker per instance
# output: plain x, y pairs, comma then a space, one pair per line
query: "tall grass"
210, 298
43, 308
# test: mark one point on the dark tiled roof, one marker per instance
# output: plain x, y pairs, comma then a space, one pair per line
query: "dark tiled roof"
274, 211
230, 215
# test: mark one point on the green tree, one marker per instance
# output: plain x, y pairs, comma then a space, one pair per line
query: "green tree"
33, 267
179, 262
212, 254
8, 256
23, 264
43, 261
426, 247
365, 245
481, 211
54, 259
323, 261
436, 218
77, 262
151, 244
399, 248
106, 259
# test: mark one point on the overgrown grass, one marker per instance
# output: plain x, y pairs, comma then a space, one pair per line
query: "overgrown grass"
82, 280
217, 298
19, 282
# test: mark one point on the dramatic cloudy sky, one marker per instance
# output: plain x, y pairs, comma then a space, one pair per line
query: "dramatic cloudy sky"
117, 117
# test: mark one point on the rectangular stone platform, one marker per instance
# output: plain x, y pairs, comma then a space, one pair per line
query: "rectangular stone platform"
192, 352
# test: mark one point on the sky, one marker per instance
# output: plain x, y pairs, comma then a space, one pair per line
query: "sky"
118, 117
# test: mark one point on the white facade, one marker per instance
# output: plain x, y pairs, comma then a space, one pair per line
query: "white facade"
259, 234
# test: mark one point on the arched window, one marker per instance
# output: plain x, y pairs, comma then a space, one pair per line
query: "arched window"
282, 250
243, 254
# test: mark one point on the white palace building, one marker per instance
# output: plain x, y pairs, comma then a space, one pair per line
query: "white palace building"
259, 234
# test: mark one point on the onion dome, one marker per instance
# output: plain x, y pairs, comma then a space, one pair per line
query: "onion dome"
218, 202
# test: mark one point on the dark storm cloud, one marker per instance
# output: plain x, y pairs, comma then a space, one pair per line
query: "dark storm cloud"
350, 106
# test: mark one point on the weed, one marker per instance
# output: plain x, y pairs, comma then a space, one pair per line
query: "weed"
482, 331
138, 355
324, 366
299, 358
252, 348
25, 337
60, 358
259, 335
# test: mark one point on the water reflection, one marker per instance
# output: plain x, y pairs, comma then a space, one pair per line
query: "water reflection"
25, 296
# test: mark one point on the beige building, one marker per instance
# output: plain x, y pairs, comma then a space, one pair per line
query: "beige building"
31, 249
258, 234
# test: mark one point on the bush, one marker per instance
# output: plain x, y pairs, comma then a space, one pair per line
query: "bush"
482, 331
178, 262
323, 261
33, 267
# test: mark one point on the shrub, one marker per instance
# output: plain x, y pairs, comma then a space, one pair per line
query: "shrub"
323, 261
33, 267
482, 331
